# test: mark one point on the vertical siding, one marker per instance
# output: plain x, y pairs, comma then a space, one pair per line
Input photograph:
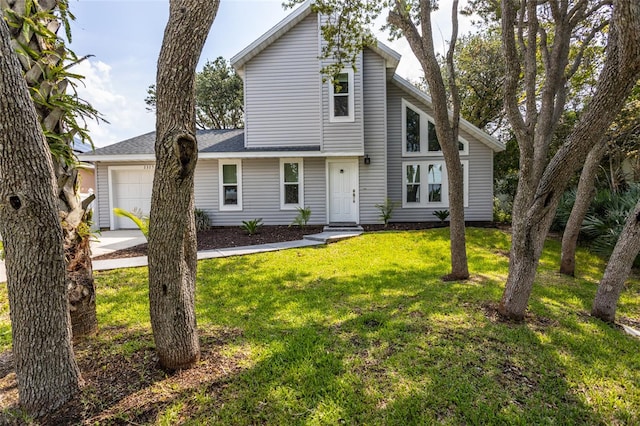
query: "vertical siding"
480, 185
261, 193
373, 177
348, 136
282, 90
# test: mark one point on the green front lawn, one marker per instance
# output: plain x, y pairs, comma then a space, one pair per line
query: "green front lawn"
364, 332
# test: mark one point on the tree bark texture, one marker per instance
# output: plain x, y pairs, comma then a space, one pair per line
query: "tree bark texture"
618, 268
46, 371
172, 235
73, 213
540, 184
584, 195
446, 129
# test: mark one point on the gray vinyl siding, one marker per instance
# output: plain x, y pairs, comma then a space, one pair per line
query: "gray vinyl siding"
344, 136
373, 177
480, 157
282, 90
261, 193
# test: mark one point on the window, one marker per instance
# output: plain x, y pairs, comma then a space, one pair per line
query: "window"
425, 184
230, 173
291, 187
419, 134
341, 97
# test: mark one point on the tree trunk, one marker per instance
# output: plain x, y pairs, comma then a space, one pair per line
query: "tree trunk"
584, 195
534, 207
172, 235
73, 215
618, 268
46, 371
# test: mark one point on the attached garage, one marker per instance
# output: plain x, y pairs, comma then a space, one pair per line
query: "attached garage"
130, 190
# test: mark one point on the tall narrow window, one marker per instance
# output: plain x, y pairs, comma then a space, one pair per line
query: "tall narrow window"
412, 182
413, 130
435, 183
341, 97
291, 188
230, 185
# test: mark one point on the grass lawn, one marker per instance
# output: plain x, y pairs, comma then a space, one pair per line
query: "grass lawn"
364, 332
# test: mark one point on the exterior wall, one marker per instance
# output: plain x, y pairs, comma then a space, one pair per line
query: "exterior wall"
260, 192
344, 136
282, 90
480, 157
373, 176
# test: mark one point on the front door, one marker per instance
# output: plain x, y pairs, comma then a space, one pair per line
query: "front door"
343, 191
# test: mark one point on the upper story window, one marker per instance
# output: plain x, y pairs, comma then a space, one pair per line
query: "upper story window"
341, 97
230, 176
291, 183
419, 134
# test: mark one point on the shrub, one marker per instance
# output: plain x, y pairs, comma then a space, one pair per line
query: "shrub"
304, 214
252, 227
501, 210
386, 210
441, 214
202, 220
136, 215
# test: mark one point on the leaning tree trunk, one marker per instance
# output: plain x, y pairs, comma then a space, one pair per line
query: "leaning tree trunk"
45, 367
45, 54
584, 195
172, 235
618, 268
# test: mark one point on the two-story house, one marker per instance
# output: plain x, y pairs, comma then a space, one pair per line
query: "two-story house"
338, 149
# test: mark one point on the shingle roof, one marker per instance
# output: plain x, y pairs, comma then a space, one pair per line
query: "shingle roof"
209, 141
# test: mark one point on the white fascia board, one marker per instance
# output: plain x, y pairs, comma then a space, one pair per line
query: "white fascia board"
270, 36
482, 136
117, 158
278, 154
391, 57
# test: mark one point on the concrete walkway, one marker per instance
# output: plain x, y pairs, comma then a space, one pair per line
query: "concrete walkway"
110, 241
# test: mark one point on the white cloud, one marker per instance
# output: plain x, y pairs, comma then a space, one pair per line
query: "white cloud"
125, 113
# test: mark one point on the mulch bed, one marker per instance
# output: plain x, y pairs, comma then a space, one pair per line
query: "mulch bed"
232, 236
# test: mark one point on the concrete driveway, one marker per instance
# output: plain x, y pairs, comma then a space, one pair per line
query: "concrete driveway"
107, 242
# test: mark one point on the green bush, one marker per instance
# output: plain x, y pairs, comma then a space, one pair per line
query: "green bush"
441, 214
203, 222
141, 221
252, 227
386, 210
304, 214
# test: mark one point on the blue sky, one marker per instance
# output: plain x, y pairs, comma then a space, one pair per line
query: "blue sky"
125, 38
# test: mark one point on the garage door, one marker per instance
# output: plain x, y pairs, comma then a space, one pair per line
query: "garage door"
131, 192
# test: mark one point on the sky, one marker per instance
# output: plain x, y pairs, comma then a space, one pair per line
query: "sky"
125, 36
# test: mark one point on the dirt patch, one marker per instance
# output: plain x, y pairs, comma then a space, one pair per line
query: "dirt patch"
233, 236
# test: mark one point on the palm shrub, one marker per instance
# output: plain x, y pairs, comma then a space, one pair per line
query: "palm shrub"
252, 226
203, 222
141, 221
386, 210
304, 214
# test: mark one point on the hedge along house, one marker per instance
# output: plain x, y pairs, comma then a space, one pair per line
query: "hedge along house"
339, 150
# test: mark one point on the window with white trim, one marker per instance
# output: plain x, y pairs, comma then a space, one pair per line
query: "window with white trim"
419, 136
424, 184
291, 183
230, 177
341, 97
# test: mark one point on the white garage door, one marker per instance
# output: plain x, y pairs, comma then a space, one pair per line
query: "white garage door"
132, 192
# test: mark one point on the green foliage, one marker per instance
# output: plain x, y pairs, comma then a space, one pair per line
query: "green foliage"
141, 221
502, 210
304, 214
252, 227
203, 222
386, 210
218, 94
441, 214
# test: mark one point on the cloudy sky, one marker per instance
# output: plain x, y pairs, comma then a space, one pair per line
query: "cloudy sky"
124, 38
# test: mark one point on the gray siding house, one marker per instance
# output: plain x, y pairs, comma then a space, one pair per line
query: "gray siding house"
339, 150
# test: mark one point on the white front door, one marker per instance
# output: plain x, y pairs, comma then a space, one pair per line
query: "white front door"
343, 191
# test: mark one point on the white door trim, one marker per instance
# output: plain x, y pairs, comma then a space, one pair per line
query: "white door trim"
110, 170
354, 164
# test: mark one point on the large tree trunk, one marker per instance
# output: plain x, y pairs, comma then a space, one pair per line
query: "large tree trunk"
618, 268
73, 214
45, 367
534, 208
584, 195
172, 235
